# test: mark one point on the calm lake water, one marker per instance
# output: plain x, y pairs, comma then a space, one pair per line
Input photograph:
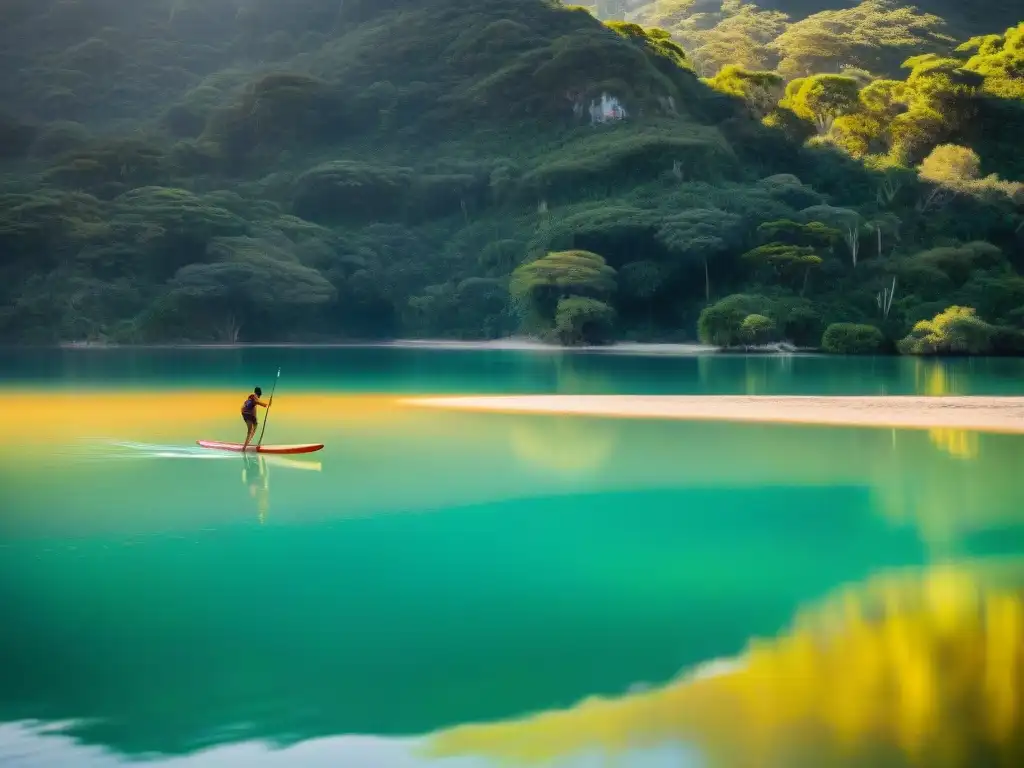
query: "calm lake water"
440, 589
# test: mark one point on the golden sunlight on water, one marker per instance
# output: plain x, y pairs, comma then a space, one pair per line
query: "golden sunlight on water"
945, 484
40, 420
909, 669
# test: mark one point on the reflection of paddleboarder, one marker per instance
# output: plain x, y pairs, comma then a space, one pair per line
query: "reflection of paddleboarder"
258, 482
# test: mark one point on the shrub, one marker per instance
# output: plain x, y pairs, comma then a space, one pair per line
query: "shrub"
541, 285
956, 330
851, 339
581, 320
757, 329
721, 323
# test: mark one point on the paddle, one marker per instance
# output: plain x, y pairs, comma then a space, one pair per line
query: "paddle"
267, 417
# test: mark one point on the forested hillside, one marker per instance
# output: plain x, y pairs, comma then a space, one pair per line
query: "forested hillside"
801, 37
222, 170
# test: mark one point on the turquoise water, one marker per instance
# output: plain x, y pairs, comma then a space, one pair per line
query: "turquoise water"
430, 569
428, 370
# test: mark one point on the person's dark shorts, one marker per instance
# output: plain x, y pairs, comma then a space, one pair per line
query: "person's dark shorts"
249, 418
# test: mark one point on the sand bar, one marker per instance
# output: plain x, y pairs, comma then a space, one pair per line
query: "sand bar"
983, 414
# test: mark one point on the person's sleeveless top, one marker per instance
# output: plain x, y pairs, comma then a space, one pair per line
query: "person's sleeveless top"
249, 406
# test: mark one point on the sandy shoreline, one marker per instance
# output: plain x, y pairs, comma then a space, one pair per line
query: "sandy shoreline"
982, 414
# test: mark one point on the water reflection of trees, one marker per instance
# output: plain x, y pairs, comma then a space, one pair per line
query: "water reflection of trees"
948, 492
935, 378
972, 484
909, 669
946, 484
926, 482
561, 445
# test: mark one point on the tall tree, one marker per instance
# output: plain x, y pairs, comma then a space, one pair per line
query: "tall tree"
538, 286
822, 99
229, 295
700, 234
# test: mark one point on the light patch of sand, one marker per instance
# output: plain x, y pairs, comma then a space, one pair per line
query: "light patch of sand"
983, 414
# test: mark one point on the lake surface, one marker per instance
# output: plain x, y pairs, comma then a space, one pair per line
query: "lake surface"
444, 589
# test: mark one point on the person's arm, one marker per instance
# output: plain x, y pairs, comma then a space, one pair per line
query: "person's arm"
265, 405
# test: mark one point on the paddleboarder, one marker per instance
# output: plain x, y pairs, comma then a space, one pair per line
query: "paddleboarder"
249, 413
249, 417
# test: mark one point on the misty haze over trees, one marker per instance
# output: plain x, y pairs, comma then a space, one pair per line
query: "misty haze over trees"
814, 171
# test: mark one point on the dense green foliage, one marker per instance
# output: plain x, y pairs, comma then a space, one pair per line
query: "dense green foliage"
563, 295
852, 339
801, 37
957, 330
251, 170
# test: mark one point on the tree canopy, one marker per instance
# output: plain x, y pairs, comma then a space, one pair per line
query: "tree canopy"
184, 170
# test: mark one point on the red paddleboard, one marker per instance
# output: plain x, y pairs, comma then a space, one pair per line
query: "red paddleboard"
301, 448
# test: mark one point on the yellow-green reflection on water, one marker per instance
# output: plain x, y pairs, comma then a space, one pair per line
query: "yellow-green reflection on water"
908, 669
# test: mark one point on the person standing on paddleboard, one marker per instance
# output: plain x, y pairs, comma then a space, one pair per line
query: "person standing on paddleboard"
249, 413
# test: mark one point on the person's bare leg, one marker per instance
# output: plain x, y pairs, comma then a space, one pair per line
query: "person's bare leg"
252, 431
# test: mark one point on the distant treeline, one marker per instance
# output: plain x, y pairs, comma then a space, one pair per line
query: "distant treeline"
251, 170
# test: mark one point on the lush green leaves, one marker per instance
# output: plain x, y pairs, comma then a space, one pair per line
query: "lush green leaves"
418, 168
721, 323
540, 288
757, 329
822, 98
956, 330
582, 320
564, 273
852, 339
